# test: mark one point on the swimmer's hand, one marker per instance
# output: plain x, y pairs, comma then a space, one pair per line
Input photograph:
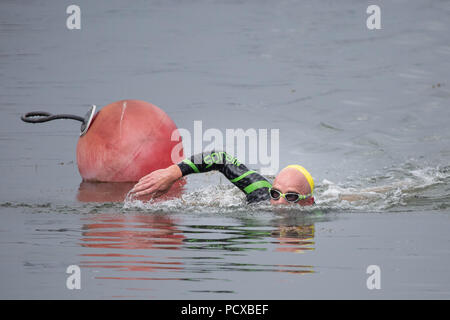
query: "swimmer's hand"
158, 182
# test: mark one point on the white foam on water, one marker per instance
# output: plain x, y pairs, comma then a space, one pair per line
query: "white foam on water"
221, 197
406, 187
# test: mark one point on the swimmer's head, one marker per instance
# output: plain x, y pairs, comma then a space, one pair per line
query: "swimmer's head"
293, 179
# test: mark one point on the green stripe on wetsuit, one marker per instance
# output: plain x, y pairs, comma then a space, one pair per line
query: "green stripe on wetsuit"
243, 176
257, 185
192, 165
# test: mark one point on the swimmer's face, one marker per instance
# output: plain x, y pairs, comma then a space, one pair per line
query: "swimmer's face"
291, 180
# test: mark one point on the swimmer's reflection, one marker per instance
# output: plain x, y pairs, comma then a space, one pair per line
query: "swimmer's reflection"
295, 232
122, 243
294, 237
117, 191
138, 246
299, 238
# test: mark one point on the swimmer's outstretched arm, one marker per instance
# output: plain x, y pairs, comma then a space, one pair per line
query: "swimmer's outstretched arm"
254, 185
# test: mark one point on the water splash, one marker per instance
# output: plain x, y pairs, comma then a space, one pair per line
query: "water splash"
219, 198
398, 189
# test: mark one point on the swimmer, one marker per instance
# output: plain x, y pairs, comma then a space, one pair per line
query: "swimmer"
292, 185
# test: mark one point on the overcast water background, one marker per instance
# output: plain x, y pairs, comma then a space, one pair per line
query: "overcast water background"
365, 111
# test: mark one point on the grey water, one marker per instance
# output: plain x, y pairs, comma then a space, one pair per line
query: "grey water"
365, 111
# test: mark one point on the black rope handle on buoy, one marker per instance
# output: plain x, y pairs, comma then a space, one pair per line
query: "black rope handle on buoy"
42, 116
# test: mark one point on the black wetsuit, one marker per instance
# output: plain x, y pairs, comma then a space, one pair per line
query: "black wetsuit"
254, 185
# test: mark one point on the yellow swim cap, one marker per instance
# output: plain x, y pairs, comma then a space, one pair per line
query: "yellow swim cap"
305, 173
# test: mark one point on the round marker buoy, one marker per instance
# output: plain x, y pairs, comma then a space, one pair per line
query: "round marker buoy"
122, 142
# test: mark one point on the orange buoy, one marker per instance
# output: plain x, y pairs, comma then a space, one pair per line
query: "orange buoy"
125, 141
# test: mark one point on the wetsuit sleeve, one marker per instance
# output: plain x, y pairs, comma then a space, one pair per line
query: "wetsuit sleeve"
254, 185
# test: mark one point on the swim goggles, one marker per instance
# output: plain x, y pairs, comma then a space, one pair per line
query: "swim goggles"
289, 196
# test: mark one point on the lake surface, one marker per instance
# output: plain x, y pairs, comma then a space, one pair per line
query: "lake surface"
365, 111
